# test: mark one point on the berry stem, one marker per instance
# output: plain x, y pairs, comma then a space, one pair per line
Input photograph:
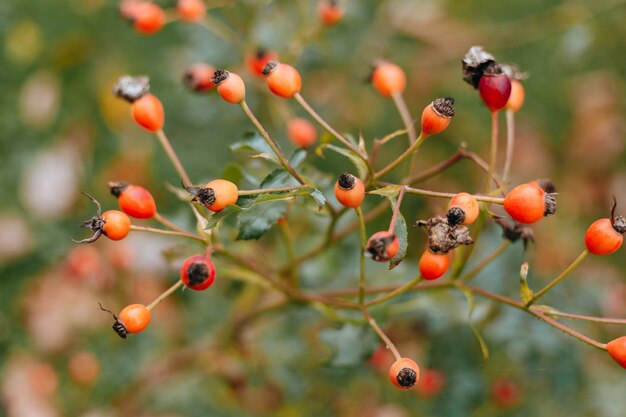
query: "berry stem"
168, 223
438, 194
271, 190
551, 312
165, 143
409, 151
396, 210
270, 142
560, 278
510, 143
493, 152
568, 330
186, 234
396, 292
305, 105
381, 334
363, 237
479, 267
165, 294
409, 123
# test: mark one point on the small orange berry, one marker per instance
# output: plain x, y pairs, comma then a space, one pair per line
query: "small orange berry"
198, 272
116, 224
198, 77
382, 246
148, 112
230, 86
617, 350
388, 78
468, 206
301, 132
349, 190
604, 236
191, 10
216, 195
135, 318
528, 203
282, 79
257, 61
329, 12
516, 99
404, 373
134, 200
84, 367
148, 18
437, 116
433, 265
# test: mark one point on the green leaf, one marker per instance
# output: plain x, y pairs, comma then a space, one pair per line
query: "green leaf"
401, 233
278, 178
350, 344
268, 157
360, 165
470, 309
216, 217
258, 219
314, 194
297, 157
252, 141
525, 292
233, 172
391, 192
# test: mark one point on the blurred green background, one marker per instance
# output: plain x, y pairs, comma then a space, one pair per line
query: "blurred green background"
63, 132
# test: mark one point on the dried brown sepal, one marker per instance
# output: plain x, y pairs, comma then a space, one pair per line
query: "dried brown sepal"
550, 201
117, 187
619, 222
377, 248
475, 61
96, 223
515, 231
271, 66
197, 273
546, 185
219, 76
203, 195
444, 107
131, 88
455, 216
346, 181
442, 237
407, 377
513, 72
117, 326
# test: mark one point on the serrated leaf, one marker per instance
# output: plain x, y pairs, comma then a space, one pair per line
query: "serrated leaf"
258, 219
350, 344
314, 194
278, 178
216, 217
268, 157
360, 165
391, 192
401, 233
252, 141
297, 157
470, 309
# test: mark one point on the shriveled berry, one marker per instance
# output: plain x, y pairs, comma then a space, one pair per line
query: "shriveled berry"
617, 350
467, 204
437, 116
349, 190
198, 77
191, 10
382, 246
475, 61
282, 79
148, 112
131, 88
135, 318
443, 236
198, 272
230, 86
134, 200
301, 132
433, 265
329, 12
258, 60
388, 78
528, 203
494, 88
404, 373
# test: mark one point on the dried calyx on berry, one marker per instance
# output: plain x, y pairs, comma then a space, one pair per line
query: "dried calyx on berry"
619, 222
455, 216
219, 76
197, 272
203, 195
443, 236
444, 107
377, 247
131, 88
513, 72
475, 62
271, 66
117, 326
515, 231
346, 181
117, 187
96, 223
550, 197
407, 377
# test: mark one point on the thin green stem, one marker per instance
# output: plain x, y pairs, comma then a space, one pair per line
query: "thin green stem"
168, 223
437, 194
510, 144
393, 294
281, 157
363, 237
396, 210
409, 151
163, 296
270, 190
328, 127
165, 143
409, 124
381, 334
560, 278
551, 312
188, 235
568, 330
493, 153
493, 255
